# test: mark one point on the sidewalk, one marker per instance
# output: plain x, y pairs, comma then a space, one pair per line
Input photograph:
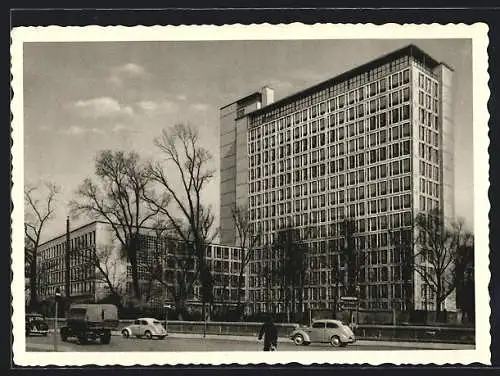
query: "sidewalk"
411, 345
362, 342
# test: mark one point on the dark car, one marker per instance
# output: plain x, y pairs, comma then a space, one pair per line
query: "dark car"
36, 324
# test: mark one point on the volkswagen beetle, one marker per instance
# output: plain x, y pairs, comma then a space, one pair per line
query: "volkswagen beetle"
323, 331
145, 327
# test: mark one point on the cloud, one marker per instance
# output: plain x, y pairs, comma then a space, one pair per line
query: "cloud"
102, 107
199, 106
128, 70
120, 128
158, 107
181, 97
75, 130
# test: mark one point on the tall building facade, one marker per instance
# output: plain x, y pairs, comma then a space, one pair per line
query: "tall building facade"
372, 146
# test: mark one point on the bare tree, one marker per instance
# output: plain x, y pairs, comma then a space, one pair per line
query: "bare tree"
182, 176
351, 256
118, 199
464, 271
438, 249
403, 241
106, 261
247, 242
39, 209
292, 268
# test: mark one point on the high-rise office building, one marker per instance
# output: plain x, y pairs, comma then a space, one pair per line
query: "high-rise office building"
371, 147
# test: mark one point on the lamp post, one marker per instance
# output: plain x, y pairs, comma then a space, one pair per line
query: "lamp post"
310, 313
57, 298
167, 307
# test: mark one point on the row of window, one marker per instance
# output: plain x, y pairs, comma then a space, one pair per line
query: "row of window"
76, 288
428, 84
341, 180
338, 166
327, 293
340, 94
382, 205
83, 241
337, 149
381, 222
334, 198
372, 123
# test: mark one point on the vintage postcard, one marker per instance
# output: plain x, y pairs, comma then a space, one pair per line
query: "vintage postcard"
211, 194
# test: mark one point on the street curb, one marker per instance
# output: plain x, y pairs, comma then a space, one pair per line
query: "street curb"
361, 342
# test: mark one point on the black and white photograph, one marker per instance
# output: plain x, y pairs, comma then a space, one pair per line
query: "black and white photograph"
218, 193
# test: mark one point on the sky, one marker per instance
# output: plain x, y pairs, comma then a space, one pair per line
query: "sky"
82, 97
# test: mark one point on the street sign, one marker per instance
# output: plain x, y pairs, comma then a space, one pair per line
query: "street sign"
349, 298
348, 302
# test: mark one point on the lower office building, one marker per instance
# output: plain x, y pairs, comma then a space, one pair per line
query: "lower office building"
96, 260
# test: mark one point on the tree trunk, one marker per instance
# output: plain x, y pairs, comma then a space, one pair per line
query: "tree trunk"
335, 299
240, 285
438, 303
33, 281
135, 274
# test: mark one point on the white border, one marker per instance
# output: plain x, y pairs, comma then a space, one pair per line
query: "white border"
477, 32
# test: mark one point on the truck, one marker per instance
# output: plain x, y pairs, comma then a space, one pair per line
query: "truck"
90, 322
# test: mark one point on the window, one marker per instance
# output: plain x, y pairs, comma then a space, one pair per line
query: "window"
406, 129
395, 115
406, 94
331, 325
395, 80
382, 85
382, 120
406, 147
406, 112
373, 123
383, 102
318, 325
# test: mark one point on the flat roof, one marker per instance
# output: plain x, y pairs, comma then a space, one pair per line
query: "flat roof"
409, 50
63, 235
254, 95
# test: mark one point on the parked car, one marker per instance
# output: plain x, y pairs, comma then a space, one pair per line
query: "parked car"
36, 324
145, 327
90, 322
324, 331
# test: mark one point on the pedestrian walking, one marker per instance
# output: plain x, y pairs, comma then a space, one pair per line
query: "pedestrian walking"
270, 333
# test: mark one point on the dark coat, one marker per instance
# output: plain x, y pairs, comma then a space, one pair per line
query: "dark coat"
270, 333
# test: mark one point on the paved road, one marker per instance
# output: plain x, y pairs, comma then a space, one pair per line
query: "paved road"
198, 343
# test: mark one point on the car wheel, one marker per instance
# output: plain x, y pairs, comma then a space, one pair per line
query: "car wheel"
106, 339
125, 333
82, 340
335, 341
148, 334
298, 339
